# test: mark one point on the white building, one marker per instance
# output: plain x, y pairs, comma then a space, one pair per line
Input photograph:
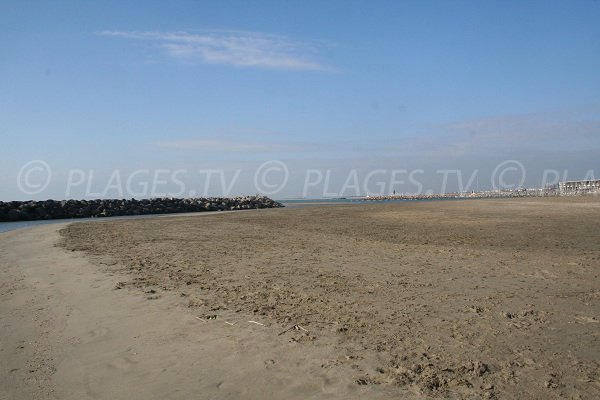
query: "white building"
580, 186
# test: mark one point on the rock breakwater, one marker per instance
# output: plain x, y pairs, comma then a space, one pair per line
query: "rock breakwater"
58, 209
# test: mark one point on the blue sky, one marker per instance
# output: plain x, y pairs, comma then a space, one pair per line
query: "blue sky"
326, 85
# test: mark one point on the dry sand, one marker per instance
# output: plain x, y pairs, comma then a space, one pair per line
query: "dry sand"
450, 299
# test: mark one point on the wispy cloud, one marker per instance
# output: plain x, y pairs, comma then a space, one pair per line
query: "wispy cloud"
234, 146
544, 131
531, 128
240, 49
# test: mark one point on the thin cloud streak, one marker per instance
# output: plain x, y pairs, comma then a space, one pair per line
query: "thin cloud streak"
239, 49
544, 132
230, 146
531, 127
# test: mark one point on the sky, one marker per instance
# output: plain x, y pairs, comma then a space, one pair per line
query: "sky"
304, 92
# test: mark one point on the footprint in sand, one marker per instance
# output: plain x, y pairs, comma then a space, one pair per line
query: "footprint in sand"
96, 333
122, 363
587, 320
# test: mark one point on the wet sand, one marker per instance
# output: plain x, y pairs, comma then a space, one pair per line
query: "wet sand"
459, 299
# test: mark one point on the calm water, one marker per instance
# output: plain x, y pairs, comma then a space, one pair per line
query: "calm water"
321, 201
348, 200
10, 226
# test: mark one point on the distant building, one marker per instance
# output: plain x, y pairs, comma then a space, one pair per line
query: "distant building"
580, 186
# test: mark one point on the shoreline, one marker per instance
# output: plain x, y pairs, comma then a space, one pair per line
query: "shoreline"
19, 225
34, 223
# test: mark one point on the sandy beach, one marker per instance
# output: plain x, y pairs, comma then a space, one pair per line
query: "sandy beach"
446, 299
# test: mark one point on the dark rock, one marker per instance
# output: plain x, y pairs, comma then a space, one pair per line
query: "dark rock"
51, 209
